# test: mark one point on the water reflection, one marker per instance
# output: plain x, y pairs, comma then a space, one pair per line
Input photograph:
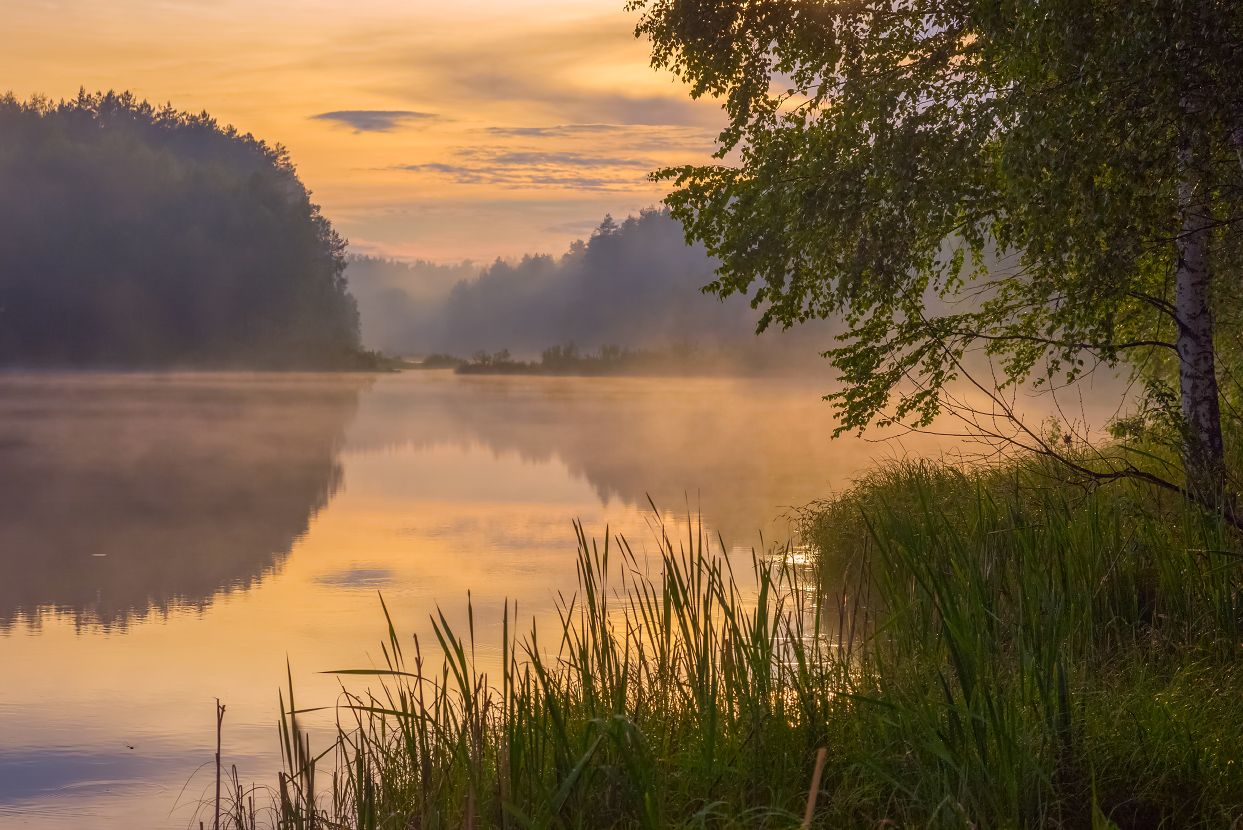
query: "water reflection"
127, 494
744, 452
311, 493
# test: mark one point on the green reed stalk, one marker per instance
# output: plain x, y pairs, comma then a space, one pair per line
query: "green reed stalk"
993, 648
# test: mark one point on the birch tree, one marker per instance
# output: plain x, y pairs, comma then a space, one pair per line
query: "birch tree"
883, 156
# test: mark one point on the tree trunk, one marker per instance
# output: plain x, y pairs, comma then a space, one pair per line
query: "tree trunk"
1203, 453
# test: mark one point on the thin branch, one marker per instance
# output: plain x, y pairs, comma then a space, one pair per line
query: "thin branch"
1041, 447
1091, 347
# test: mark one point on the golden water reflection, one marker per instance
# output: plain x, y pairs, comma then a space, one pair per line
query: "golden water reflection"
170, 539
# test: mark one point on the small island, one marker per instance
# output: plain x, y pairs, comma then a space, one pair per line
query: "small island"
568, 360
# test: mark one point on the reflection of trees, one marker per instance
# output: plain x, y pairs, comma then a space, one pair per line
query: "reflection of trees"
742, 450
121, 494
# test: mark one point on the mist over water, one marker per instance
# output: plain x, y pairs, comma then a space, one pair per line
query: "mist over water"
170, 539
130, 494
167, 539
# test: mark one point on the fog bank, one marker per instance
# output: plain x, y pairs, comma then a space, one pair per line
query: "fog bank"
636, 284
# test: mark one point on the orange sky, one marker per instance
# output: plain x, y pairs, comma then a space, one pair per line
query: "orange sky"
444, 131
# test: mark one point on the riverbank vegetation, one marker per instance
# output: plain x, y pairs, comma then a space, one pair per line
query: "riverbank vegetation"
568, 359
1058, 188
634, 281
633, 284
994, 647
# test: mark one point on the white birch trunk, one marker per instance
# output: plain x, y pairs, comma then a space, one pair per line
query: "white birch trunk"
1203, 453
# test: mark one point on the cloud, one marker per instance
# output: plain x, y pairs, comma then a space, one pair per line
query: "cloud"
535, 158
454, 170
519, 178
555, 131
585, 71
375, 121
647, 138
540, 168
580, 104
650, 110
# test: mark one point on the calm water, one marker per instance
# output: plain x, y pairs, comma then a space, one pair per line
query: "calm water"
166, 540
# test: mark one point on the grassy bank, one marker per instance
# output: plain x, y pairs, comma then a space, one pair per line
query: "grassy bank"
994, 649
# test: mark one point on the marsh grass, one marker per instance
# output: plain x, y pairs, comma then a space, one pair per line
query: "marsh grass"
995, 648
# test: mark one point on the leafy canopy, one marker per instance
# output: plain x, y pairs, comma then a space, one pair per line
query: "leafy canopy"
951, 175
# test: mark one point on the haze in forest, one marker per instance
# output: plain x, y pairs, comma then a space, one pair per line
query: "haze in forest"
636, 284
143, 236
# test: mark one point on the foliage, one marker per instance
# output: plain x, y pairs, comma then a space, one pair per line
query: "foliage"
439, 360
636, 280
137, 235
401, 303
999, 649
966, 175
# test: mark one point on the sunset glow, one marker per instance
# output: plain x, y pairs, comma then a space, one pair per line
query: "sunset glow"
478, 130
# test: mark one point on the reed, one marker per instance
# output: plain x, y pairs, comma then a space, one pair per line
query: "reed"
995, 648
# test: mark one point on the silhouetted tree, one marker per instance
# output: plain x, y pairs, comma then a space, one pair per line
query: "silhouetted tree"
634, 282
137, 235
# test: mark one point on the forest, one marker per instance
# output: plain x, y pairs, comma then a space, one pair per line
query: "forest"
142, 236
634, 283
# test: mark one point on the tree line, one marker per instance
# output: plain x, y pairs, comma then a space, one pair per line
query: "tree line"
137, 235
632, 282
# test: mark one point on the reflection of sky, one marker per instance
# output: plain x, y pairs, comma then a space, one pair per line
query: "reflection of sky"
74, 699
471, 129
447, 485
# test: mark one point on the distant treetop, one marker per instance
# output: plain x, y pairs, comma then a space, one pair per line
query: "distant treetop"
137, 235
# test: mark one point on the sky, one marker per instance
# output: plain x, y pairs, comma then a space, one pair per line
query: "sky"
471, 129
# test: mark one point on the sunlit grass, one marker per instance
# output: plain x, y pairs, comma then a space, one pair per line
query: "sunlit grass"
997, 649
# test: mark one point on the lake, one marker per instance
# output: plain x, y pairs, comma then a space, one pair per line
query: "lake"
170, 539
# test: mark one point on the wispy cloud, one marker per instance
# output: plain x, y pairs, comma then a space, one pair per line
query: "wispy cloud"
538, 169
649, 138
375, 121
519, 178
538, 158
584, 70
392, 83
555, 131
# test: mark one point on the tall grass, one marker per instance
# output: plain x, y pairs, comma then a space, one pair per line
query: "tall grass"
1050, 656
986, 649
